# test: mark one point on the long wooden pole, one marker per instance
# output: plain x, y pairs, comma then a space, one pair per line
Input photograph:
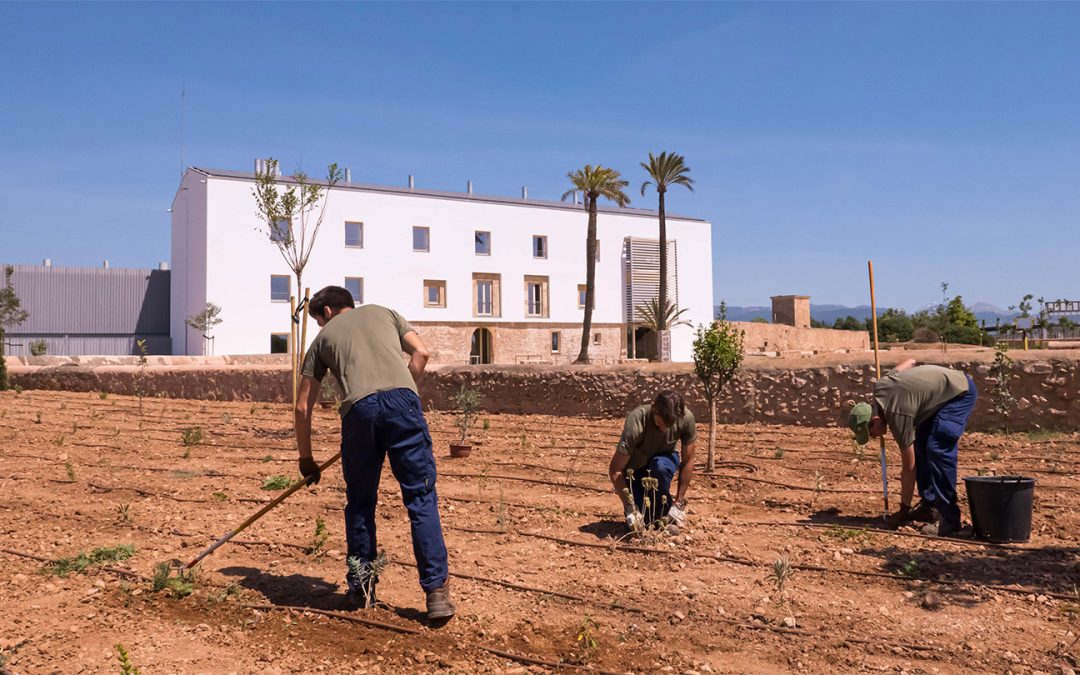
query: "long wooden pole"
303, 338
260, 513
877, 367
292, 347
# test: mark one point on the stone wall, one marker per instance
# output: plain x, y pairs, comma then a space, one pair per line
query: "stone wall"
1047, 389
521, 343
778, 339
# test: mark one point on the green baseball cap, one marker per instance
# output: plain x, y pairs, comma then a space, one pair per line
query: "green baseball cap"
860, 422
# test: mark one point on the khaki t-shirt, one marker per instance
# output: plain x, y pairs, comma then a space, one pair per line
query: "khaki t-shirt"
363, 348
643, 441
910, 397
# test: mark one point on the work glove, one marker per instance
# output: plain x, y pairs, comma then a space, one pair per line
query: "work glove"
677, 513
634, 520
310, 470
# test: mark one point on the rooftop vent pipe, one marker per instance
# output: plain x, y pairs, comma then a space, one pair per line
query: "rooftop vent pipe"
348, 175
47, 262
524, 192
163, 265
468, 186
412, 182
105, 264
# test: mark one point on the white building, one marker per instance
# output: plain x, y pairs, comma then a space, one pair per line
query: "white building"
484, 279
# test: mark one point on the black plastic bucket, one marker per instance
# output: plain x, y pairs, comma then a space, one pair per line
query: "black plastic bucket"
1001, 507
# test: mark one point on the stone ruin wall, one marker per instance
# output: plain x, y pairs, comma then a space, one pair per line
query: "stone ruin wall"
1047, 391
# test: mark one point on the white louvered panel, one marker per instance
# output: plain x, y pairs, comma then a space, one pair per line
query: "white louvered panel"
642, 273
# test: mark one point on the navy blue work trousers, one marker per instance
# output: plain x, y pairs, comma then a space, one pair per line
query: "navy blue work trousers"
392, 423
662, 468
935, 454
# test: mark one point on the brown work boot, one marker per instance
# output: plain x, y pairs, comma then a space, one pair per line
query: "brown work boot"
923, 512
439, 607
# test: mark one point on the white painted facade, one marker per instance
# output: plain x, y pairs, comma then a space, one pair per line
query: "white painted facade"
219, 255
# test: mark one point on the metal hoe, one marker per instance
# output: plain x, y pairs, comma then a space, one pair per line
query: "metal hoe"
877, 367
260, 513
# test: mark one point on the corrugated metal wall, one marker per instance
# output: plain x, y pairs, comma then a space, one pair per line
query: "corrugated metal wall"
91, 310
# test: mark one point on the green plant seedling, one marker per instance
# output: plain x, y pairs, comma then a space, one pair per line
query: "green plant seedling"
909, 570
59, 440
103, 395
61, 567
17, 389
268, 458
780, 573
181, 585
37, 419
320, 538
587, 644
278, 482
220, 496
778, 453
70, 471
487, 424
126, 666
191, 436
226, 418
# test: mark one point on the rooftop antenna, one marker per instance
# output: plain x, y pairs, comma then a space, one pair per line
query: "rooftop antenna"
183, 101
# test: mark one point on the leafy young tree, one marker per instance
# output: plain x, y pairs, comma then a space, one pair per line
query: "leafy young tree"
205, 321
11, 315
718, 353
294, 213
664, 171
1024, 306
594, 183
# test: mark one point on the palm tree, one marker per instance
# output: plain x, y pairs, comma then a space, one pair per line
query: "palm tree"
593, 182
666, 170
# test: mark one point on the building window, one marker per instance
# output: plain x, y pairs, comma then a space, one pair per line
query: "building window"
281, 231
539, 246
556, 338
434, 293
355, 287
421, 239
483, 243
536, 296
354, 235
486, 295
280, 287
279, 343
582, 294
596, 338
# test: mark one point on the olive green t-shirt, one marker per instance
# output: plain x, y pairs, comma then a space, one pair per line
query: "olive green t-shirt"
642, 440
363, 348
910, 397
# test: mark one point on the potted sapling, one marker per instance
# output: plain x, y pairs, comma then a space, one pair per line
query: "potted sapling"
466, 402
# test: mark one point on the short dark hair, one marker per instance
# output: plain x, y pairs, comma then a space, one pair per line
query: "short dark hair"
334, 297
669, 406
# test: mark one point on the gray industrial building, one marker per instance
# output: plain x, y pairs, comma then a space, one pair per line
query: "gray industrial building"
90, 310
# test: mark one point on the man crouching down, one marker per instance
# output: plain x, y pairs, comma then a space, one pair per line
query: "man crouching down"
645, 462
380, 416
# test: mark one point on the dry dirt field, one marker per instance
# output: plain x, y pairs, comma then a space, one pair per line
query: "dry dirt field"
532, 534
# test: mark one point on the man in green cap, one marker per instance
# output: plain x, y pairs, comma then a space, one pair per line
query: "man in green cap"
926, 408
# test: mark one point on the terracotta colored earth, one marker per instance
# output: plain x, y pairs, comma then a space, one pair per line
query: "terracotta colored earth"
80, 472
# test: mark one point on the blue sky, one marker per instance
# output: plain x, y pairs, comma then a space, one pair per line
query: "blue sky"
940, 140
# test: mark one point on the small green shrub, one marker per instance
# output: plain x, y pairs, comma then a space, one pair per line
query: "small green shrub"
276, 483
191, 436
220, 496
126, 667
181, 585
61, 567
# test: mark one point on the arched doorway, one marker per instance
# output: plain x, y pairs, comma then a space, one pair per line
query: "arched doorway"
481, 351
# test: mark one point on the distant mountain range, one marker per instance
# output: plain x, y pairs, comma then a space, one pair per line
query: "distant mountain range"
830, 313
